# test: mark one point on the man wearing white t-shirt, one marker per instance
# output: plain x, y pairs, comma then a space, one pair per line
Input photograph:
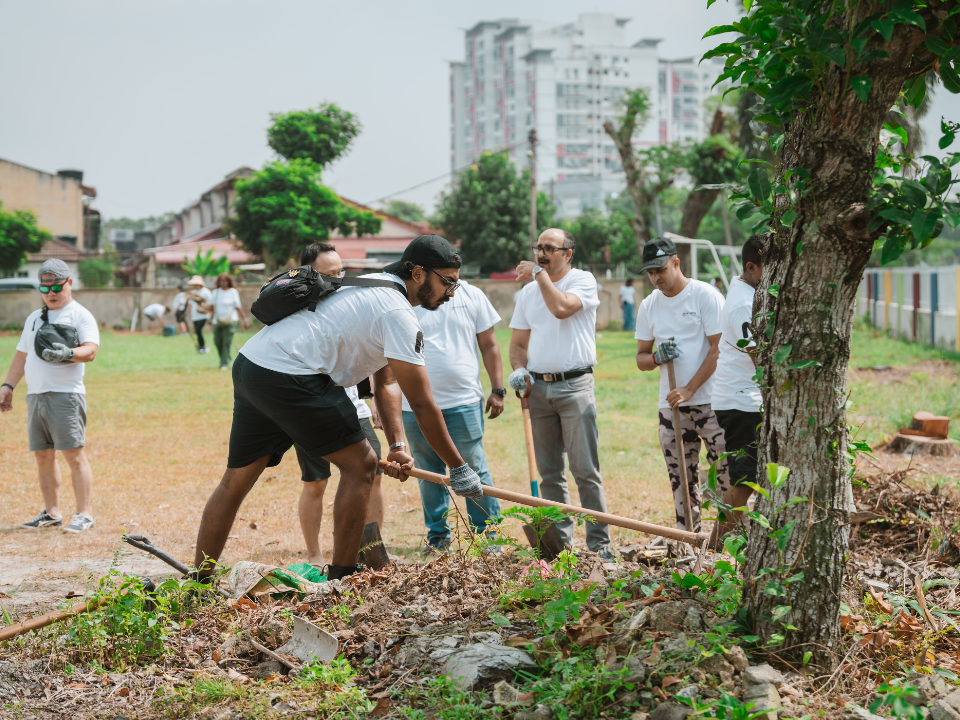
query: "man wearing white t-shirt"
736, 397
155, 311
628, 299
56, 396
682, 316
288, 385
452, 336
553, 348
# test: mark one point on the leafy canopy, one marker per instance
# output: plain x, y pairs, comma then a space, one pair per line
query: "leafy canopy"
411, 212
19, 236
788, 53
283, 208
488, 211
320, 135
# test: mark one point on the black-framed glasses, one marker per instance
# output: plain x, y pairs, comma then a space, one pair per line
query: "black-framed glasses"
546, 249
452, 285
51, 288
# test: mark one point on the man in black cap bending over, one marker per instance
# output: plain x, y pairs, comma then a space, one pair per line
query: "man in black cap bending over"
288, 387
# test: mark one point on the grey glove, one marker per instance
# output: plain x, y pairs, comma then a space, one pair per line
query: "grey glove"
666, 351
58, 353
518, 380
466, 483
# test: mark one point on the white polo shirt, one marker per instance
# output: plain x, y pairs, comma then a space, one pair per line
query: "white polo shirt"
559, 345
450, 346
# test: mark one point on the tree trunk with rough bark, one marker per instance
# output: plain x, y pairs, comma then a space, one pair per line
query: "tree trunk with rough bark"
623, 138
818, 265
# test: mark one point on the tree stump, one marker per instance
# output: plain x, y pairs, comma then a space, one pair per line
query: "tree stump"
927, 435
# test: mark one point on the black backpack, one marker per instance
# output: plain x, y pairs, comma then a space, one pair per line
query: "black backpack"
50, 333
302, 288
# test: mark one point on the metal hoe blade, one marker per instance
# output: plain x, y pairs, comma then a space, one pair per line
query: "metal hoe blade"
310, 642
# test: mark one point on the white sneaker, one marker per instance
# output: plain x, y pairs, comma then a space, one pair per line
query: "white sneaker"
80, 522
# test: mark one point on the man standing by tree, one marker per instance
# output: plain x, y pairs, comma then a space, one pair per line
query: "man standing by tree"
452, 335
289, 382
56, 396
736, 398
553, 351
683, 317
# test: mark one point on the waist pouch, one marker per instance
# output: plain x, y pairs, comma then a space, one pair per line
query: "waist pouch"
50, 333
301, 289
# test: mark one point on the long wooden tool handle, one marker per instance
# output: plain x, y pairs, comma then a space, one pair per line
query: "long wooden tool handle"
528, 437
11, 631
648, 528
682, 459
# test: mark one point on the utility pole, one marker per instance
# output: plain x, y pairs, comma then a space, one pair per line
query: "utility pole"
532, 137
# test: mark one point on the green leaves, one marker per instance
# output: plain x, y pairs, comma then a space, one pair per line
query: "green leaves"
802, 364
923, 222
898, 131
788, 217
949, 131
776, 474
902, 12
774, 290
782, 536
782, 354
949, 70
861, 85
759, 184
884, 26
794, 86
914, 90
718, 30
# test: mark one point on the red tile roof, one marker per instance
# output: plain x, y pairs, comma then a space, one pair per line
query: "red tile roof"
57, 248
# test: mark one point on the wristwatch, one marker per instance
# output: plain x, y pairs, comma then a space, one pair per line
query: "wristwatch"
502, 392
538, 269
400, 444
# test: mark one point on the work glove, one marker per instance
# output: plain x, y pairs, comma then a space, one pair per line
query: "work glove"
466, 483
666, 351
518, 380
58, 353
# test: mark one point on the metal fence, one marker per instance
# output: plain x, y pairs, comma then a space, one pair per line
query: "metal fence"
917, 304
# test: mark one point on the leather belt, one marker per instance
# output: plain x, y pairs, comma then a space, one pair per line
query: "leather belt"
561, 376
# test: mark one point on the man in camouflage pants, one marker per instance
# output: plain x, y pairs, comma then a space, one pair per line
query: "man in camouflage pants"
683, 317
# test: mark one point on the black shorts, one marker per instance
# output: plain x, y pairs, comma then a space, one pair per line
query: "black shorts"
740, 434
272, 411
312, 470
181, 316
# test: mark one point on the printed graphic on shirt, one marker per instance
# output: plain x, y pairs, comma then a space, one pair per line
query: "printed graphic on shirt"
418, 345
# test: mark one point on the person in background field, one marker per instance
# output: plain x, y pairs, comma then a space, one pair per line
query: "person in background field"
154, 312
180, 310
56, 396
197, 298
683, 317
628, 295
736, 397
227, 311
554, 349
314, 474
452, 336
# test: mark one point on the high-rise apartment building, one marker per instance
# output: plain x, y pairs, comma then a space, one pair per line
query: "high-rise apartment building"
565, 81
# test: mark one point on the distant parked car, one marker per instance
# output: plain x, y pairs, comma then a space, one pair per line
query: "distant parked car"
19, 284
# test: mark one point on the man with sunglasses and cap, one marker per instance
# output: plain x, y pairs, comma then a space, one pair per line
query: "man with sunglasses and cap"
56, 396
289, 385
553, 350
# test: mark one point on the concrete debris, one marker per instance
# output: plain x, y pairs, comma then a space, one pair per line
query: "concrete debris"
764, 697
476, 663
762, 675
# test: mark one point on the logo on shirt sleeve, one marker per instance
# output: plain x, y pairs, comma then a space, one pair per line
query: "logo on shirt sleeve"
418, 345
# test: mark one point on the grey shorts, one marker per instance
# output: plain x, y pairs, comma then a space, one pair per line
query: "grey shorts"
56, 420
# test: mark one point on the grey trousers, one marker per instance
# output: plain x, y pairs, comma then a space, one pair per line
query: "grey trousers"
564, 419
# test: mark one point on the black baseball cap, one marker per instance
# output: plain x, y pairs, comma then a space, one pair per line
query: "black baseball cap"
429, 251
657, 252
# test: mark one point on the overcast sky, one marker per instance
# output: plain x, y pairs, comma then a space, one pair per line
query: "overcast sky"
157, 100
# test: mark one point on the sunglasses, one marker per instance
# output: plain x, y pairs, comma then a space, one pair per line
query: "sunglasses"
51, 288
452, 285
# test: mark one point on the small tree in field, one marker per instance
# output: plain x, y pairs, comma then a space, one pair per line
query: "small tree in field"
19, 236
826, 74
488, 211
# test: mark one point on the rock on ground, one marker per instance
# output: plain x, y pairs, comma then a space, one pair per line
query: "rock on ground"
670, 711
762, 675
765, 698
474, 663
947, 708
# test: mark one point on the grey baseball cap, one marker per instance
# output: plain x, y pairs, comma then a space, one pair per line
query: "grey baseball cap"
58, 268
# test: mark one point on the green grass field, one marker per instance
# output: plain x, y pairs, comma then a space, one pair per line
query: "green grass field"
159, 422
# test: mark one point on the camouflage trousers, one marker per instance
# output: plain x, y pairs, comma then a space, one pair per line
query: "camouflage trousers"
698, 424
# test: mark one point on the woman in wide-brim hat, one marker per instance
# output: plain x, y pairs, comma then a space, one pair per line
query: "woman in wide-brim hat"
198, 296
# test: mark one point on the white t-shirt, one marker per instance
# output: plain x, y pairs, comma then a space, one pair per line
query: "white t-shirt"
179, 301
628, 294
688, 317
195, 313
43, 376
559, 345
225, 304
363, 410
450, 346
349, 337
154, 310
733, 384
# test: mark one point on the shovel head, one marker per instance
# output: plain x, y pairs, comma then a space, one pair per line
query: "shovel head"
310, 643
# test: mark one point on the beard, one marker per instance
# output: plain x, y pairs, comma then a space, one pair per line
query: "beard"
424, 295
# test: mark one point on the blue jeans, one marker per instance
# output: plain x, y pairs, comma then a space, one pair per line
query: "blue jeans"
629, 317
465, 425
